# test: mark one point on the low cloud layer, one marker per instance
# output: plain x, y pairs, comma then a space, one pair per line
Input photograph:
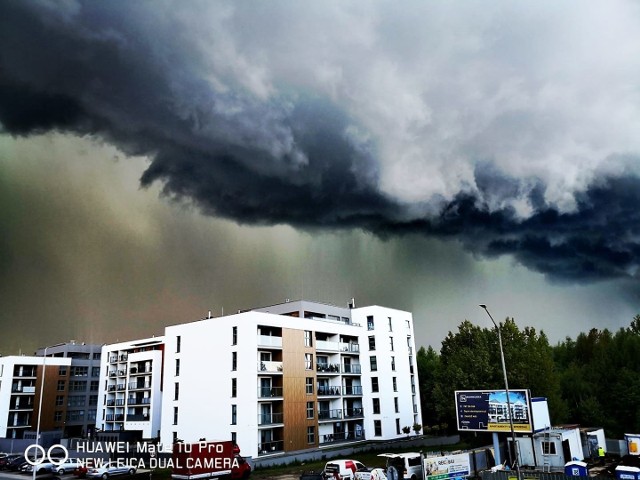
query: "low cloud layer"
505, 127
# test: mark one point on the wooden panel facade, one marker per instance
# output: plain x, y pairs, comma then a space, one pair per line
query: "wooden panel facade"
295, 396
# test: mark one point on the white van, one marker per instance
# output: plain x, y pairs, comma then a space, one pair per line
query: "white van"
408, 465
343, 469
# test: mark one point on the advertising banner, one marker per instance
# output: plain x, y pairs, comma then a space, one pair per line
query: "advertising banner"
447, 466
488, 410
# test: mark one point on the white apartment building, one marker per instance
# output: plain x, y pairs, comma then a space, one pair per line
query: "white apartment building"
21, 379
294, 376
130, 395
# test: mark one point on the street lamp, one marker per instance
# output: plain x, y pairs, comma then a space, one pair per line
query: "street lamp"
44, 370
506, 388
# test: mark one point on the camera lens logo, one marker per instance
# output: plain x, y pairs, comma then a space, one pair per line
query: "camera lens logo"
41, 455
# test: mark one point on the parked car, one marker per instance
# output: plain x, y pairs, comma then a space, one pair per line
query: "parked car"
4, 461
68, 466
371, 473
409, 464
109, 469
15, 464
343, 469
41, 468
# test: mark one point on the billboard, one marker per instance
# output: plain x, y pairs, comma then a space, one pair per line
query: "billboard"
447, 467
487, 410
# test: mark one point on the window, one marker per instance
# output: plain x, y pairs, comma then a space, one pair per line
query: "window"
391, 343
59, 400
57, 416
311, 435
370, 322
390, 325
234, 437
397, 426
308, 361
309, 385
91, 415
393, 363
376, 405
95, 385
395, 384
548, 448
395, 404
234, 414
77, 386
62, 371
310, 410
176, 391
234, 361
96, 356
234, 387
234, 336
95, 371
79, 371
93, 401
74, 416
408, 324
178, 342
377, 428
177, 367
308, 342
75, 401
374, 363
175, 415
374, 384
372, 342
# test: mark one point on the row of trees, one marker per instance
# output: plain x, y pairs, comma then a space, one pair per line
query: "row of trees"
593, 381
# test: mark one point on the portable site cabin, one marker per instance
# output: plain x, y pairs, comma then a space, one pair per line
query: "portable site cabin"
633, 443
592, 439
556, 446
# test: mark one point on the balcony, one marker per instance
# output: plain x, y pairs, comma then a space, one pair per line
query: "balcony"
335, 414
355, 412
113, 359
329, 391
23, 389
270, 392
353, 390
350, 348
270, 367
353, 436
137, 418
270, 447
270, 418
139, 401
351, 368
111, 388
139, 371
327, 346
121, 386
328, 368
139, 385
269, 341
112, 373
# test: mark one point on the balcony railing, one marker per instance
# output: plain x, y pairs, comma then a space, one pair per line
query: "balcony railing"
326, 345
137, 418
270, 418
329, 390
269, 341
137, 386
270, 447
353, 436
139, 401
328, 368
355, 412
114, 418
139, 371
335, 414
351, 368
270, 392
353, 390
121, 386
350, 347
270, 367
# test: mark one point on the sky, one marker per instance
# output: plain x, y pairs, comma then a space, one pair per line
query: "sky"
160, 160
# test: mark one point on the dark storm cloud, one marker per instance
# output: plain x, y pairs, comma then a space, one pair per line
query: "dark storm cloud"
117, 71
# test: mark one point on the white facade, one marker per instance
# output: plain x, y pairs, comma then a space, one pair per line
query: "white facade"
130, 396
19, 389
291, 376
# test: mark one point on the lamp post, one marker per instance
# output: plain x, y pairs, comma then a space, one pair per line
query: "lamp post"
44, 370
506, 388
